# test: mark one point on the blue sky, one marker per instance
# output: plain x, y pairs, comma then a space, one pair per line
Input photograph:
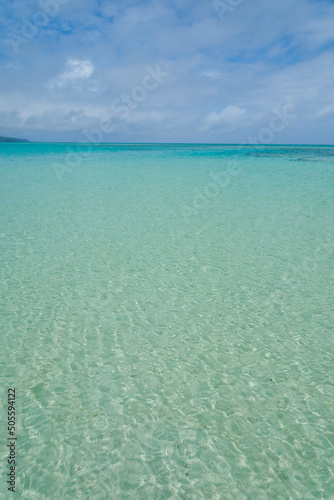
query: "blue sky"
167, 71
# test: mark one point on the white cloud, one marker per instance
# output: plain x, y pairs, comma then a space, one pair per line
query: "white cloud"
76, 70
229, 117
212, 74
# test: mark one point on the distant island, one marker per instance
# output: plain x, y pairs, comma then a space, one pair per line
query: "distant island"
12, 139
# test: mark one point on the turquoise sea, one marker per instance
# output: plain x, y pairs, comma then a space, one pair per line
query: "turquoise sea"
167, 321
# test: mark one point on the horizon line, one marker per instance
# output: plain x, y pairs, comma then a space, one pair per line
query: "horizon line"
26, 141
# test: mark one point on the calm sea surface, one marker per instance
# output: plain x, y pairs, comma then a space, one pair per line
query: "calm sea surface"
167, 321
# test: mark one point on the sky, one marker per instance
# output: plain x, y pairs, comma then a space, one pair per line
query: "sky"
234, 71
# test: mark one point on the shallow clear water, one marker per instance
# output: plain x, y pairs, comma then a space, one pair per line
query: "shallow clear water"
167, 320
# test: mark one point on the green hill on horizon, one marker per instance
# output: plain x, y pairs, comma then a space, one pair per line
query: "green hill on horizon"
12, 139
